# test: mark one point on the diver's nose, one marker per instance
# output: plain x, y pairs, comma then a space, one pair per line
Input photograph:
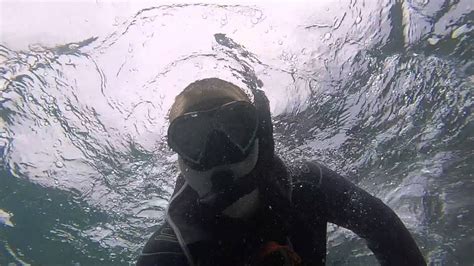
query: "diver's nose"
222, 180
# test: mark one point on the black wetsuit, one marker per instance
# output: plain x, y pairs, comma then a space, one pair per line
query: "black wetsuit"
318, 196
295, 204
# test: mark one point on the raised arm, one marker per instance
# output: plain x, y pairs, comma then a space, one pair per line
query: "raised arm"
349, 206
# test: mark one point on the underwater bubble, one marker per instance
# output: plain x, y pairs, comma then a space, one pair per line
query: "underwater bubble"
257, 17
59, 164
433, 40
57, 143
50, 99
423, 2
32, 60
460, 31
117, 21
426, 171
73, 46
327, 36
224, 21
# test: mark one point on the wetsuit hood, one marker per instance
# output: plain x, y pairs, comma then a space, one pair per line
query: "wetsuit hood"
195, 221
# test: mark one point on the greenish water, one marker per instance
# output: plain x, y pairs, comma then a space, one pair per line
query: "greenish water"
46, 222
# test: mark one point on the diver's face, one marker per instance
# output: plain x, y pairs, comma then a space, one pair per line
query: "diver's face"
216, 147
220, 177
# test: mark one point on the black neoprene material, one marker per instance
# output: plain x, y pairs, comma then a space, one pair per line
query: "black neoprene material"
321, 196
301, 210
162, 249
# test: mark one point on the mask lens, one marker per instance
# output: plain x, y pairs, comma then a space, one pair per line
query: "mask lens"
187, 135
239, 122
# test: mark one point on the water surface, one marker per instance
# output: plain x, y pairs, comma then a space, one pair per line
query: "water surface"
380, 91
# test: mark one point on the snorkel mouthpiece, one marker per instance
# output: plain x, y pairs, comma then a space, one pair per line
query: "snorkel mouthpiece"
220, 199
222, 180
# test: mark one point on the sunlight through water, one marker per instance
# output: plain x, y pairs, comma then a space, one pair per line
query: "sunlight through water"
380, 91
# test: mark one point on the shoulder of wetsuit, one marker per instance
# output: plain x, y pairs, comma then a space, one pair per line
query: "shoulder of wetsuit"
277, 174
309, 172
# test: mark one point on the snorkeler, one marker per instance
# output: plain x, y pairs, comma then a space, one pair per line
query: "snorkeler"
237, 203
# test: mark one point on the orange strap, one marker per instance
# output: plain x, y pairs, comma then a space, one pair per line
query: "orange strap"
271, 247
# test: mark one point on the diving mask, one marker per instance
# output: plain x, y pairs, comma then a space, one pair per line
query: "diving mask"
219, 136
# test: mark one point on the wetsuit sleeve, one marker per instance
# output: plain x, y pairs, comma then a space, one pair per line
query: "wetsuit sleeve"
351, 207
162, 249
